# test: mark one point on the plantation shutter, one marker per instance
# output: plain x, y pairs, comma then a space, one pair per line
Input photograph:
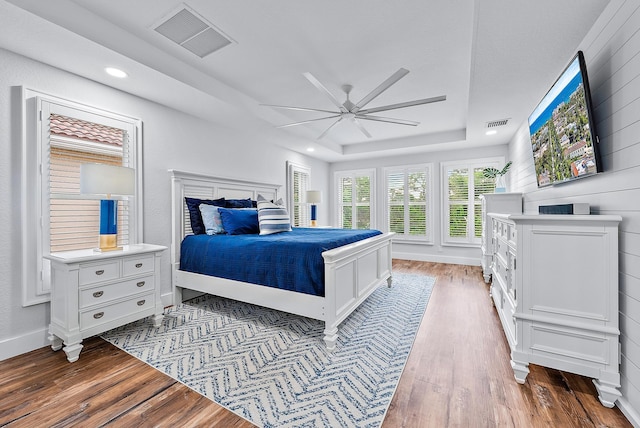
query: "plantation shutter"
73, 221
463, 183
481, 185
407, 202
301, 214
458, 180
355, 202
345, 196
363, 202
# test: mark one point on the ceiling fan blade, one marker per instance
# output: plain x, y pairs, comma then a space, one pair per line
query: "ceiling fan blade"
361, 127
298, 108
307, 121
381, 88
389, 120
315, 82
329, 128
403, 105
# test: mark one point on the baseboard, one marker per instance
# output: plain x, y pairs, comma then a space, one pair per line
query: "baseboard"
22, 344
627, 410
469, 261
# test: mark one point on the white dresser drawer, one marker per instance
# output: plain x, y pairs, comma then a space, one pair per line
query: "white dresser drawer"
137, 265
99, 272
108, 313
97, 295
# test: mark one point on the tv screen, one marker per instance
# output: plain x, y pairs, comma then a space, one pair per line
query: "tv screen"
562, 129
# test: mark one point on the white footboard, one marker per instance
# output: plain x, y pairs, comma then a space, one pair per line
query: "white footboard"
352, 273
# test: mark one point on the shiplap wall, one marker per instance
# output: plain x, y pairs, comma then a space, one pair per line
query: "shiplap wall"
612, 54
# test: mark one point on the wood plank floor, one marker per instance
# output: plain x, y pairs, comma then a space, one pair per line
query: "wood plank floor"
458, 375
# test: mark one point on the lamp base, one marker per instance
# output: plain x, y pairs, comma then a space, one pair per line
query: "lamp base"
314, 223
108, 243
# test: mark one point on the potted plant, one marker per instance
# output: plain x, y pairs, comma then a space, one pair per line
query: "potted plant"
498, 176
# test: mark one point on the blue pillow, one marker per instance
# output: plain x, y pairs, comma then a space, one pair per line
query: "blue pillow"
238, 203
193, 205
239, 222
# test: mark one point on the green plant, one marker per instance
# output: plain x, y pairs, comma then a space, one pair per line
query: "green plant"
494, 172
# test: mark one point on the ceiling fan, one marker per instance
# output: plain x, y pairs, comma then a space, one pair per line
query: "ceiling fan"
354, 112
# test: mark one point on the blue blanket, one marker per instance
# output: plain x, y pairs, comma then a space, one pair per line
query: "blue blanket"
288, 260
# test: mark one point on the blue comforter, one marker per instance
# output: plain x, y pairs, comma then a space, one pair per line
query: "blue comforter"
289, 260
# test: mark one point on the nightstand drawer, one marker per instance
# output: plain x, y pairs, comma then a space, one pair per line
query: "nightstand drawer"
137, 265
105, 293
98, 272
114, 311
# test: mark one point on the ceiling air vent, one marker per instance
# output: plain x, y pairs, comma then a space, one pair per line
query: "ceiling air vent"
496, 123
186, 28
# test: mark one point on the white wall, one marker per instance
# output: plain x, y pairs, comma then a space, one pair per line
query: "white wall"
612, 54
172, 140
435, 252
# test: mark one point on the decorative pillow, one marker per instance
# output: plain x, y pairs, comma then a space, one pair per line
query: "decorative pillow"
238, 203
239, 222
193, 205
272, 217
211, 219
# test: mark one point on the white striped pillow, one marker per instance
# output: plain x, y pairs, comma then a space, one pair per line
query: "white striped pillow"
273, 218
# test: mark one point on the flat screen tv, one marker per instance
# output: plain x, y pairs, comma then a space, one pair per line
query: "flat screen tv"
562, 129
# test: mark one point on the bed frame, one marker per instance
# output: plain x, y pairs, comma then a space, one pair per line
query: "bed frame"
352, 272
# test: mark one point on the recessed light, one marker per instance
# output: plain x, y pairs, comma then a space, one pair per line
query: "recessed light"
311, 149
115, 72
492, 132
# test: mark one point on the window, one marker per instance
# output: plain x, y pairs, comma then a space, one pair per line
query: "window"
408, 202
463, 183
59, 137
355, 207
298, 178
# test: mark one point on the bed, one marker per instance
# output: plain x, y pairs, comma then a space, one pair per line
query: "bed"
351, 272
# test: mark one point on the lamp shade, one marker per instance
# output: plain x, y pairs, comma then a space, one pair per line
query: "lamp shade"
101, 179
314, 196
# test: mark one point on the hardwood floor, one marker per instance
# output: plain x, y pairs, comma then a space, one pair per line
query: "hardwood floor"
458, 375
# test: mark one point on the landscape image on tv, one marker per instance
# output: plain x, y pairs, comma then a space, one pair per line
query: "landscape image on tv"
561, 133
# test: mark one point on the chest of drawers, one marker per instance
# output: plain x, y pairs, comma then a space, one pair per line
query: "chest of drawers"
555, 288
94, 292
504, 203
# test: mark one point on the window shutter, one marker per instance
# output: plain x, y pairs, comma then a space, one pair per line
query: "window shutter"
301, 216
408, 201
458, 202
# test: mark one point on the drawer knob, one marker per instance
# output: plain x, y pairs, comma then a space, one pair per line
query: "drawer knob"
100, 272
138, 265
98, 294
140, 284
98, 315
141, 302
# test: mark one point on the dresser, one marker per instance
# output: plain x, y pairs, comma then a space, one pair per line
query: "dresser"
555, 288
505, 203
92, 292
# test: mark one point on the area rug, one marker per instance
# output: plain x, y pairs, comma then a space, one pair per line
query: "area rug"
272, 368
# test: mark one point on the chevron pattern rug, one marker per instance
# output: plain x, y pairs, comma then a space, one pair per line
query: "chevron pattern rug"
272, 368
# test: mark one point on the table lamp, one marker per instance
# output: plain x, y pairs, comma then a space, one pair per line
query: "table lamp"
314, 197
102, 179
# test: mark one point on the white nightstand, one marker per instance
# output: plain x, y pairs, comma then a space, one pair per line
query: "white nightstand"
94, 292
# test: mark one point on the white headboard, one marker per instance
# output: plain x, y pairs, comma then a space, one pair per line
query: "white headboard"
193, 185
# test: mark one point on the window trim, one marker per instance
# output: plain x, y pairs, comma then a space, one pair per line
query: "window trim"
33, 204
354, 173
428, 168
470, 240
